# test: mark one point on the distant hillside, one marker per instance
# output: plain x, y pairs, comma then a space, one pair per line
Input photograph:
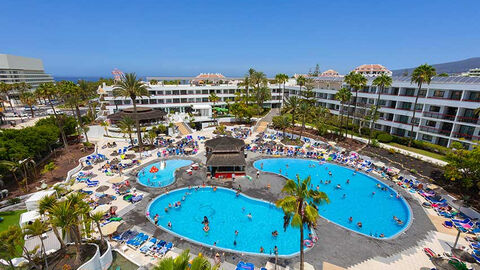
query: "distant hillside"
456, 67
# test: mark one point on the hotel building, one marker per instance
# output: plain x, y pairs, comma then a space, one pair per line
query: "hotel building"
16, 69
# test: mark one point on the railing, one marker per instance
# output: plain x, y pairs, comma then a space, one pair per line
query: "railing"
435, 130
467, 119
465, 136
437, 115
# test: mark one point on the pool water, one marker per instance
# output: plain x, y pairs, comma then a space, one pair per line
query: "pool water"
356, 199
121, 263
226, 213
163, 177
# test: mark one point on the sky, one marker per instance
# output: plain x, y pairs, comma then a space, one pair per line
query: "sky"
183, 38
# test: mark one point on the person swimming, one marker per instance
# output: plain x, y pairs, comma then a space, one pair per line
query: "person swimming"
249, 215
348, 181
275, 233
261, 249
169, 225
330, 173
350, 219
382, 235
344, 195
205, 220
318, 187
359, 224
236, 232
261, 165
338, 186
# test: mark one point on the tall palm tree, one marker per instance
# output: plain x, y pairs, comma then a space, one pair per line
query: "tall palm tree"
300, 204
292, 105
182, 262
301, 81
64, 215
37, 228
304, 111
132, 88
262, 93
29, 99
105, 126
126, 126
381, 82
357, 81
343, 95
49, 91
45, 206
97, 217
214, 99
5, 89
282, 79
420, 75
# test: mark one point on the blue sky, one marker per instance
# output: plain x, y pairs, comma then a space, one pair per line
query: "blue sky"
180, 37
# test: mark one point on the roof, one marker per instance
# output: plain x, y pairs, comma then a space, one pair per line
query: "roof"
210, 76
144, 113
39, 195
225, 144
371, 67
226, 159
329, 73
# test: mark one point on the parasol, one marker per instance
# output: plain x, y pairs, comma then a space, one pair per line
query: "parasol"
101, 208
110, 228
463, 255
101, 188
78, 186
116, 180
154, 169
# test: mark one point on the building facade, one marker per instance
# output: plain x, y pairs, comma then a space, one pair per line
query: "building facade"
444, 112
16, 69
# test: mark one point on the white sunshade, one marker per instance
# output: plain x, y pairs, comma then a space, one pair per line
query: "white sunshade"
28, 216
32, 202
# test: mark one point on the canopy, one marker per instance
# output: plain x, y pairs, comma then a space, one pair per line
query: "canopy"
78, 186
32, 202
116, 180
101, 208
110, 228
26, 217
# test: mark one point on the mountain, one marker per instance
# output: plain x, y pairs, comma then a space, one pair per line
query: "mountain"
456, 67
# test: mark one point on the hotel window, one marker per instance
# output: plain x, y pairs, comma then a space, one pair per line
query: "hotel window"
175, 92
168, 92
183, 100
422, 93
161, 101
153, 101
434, 108
403, 119
144, 101
431, 123
205, 92
198, 92
176, 100
426, 137
183, 92
231, 91
419, 107
117, 102
160, 93
378, 126
456, 95
191, 92
126, 102
409, 91
198, 100
442, 142
474, 96
168, 100
219, 91
438, 93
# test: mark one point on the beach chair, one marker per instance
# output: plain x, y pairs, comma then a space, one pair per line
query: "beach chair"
145, 248
165, 248
448, 224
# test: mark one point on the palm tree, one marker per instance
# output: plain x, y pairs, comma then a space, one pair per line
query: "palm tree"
282, 79
29, 99
153, 82
97, 217
182, 261
422, 74
131, 87
300, 204
105, 126
214, 99
45, 206
126, 126
49, 91
37, 228
292, 105
304, 111
5, 89
262, 93
343, 95
357, 81
301, 80
381, 82
321, 115
12, 167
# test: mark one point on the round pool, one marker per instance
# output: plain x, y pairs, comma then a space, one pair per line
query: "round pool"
226, 214
364, 198
165, 174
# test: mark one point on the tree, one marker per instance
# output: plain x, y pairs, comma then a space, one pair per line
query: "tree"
304, 111
321, 117
5, 89
292, 106
444, 74
182, 262
97, 217
131, 87
84, 129
282, 79
357, 81
126, 126
37, 228
316, 72
300, 204
281, 122
420, 75
463, 168
301, 80
10, 240
49, 168
49, 91
45, 206
105, 125
262, 93
343, 95
29, 99
153, 82
381, 82
214, 99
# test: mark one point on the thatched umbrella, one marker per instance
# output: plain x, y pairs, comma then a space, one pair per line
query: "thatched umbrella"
463, 255
102, 188
104, 200
78, 186
116, 180
442, 263
110, 228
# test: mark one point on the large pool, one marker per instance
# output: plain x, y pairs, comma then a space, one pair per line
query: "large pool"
356, 199
226, 213
165, 175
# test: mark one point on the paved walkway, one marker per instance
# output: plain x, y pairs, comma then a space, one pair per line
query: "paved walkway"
263, 123
182, 128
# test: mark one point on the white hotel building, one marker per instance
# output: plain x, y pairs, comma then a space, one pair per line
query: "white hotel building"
16, 69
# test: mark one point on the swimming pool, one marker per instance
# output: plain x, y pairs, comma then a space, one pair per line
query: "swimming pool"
226, 213
356, 199
165, 175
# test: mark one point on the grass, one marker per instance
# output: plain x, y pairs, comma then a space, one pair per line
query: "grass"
10, 218
419, 151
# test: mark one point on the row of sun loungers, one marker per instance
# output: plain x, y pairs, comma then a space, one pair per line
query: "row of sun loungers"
145, 244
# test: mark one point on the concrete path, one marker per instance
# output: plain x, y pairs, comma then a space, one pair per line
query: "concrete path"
262, 124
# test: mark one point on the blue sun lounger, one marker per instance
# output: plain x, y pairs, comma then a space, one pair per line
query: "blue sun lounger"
245, 266
145, 248
138, 240
165, 248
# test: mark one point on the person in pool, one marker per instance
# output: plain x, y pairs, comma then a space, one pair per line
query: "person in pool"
382, 235
236, 232
169, 225
338, 186
350, 219
261, 165
330, 173
205, 220
261, 249
249, 215
359, 224
348, 181
275, 233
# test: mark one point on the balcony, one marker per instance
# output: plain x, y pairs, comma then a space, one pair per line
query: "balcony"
437, 115
465, 136
435, 130
466, 119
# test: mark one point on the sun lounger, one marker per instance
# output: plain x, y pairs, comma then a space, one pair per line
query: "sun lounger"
429, 252
138, 240
475, 246
136, 198
467, 220
245, 266
448, 224
476, 257
165, 248
145, 248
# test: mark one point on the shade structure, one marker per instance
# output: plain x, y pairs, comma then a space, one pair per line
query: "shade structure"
110, 228
153, 169
188, 149
306, 266
101, 208
102, 189
463, 255
116, 180
442, 263
78, 186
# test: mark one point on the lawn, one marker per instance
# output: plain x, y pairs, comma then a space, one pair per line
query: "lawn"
10, 218
419, 151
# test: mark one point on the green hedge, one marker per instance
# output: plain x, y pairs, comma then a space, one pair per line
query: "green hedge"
384, 138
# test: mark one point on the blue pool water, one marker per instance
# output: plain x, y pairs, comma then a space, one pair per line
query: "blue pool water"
163, 177
226, 214
374, 211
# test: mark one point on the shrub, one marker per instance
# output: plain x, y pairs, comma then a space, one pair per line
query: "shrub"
392, 151
13, 201
375, 143
413, 171
385, 138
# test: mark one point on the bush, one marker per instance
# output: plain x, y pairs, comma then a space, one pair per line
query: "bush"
13, 201
375, 143
392, 151
384, 138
